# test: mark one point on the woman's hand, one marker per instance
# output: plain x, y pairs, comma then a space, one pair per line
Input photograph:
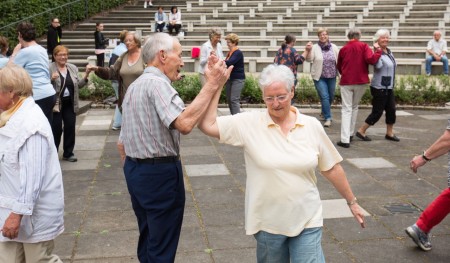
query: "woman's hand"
90, 68
416, 162
11, 227
358, 214
55, 75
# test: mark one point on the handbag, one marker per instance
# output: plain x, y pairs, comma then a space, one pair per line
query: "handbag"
57, 107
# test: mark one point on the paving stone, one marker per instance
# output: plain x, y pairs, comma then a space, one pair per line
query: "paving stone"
80, 165
338, 208
97, 245
102, 187
111, 221
211, 182
188, 257
77, 188
212, 197
388, 174
348, 229
91, 132
191, 239
88, 122
393, 251
197, 141
72, 222
222, 215
200, 159
94, 127
113, 202
88, 155
198, 150
243, 255
206, 169
90, 143
74, 204
401, 113
113, 137
335, 253
412, 187
370, 163
229, 237
64, 245
73, 175
436, 117
100, 114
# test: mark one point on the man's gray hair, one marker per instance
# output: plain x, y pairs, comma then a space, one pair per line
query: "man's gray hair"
381, 33
276, 73
155, 43
354, 33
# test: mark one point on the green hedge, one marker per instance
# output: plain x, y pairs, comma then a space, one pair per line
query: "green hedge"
39, 12
410, 90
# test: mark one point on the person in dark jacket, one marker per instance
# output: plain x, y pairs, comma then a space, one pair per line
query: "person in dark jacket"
100, 44
236, 82
54, 35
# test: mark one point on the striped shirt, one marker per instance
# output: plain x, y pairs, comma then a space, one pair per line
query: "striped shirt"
149, 108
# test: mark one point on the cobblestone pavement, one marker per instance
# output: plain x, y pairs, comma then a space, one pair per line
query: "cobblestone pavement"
101, 227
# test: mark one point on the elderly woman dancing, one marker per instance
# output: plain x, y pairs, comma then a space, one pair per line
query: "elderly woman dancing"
31, 190
382, 90
282, 149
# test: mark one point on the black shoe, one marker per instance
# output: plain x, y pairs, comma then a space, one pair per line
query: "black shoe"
343, 144
71, 158
351, 138
392, 138
364, 138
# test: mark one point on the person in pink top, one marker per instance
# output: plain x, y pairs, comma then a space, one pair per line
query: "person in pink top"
353, 65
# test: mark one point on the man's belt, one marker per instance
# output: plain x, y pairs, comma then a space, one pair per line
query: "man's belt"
155, 160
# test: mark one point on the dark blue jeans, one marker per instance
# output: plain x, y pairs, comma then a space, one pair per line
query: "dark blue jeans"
158, 197
325, 88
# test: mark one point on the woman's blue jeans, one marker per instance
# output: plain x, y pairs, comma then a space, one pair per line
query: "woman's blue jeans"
117, 114
325, 88
306, 247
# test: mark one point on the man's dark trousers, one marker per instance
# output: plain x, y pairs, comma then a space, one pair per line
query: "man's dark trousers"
158, 198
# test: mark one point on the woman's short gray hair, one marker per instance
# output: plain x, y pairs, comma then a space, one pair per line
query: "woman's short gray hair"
155, 43
381, 33
214, 31
354, 33
136, 36
276, 73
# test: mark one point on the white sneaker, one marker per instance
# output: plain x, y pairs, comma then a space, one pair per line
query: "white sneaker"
150, 4
327, 123
145, 4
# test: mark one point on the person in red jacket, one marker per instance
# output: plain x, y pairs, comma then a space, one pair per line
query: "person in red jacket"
353, 65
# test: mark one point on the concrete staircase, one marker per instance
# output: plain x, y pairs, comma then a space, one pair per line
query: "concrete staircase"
262, 25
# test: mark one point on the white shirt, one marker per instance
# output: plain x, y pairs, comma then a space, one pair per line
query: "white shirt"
30, 176
437, 46
281, 194
205, 50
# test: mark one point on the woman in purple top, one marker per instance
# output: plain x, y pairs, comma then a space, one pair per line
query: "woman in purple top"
323, 57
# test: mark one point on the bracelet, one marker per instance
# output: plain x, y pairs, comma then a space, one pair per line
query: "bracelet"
425, 157
354, 201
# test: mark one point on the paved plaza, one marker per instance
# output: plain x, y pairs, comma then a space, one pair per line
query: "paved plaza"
101, 226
